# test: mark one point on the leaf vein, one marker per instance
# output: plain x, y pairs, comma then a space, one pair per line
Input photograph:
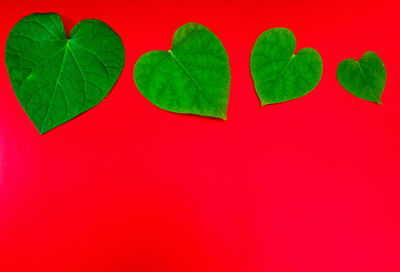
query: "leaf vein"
196, 84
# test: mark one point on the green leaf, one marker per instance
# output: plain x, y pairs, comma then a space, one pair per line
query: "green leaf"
278, 74
192, 77
56, 78
365, 78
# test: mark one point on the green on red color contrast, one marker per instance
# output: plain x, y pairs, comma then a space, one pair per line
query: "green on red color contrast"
365, 78
278, 74
56, 78
192, 77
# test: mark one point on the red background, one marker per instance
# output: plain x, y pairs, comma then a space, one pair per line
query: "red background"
308, 185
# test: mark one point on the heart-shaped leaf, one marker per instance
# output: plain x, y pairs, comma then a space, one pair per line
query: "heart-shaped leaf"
278, 74
365, 78
192, 77
56, 78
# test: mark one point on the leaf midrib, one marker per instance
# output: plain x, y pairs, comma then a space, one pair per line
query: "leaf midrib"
196, 84
66, 47
282, 73
368, 84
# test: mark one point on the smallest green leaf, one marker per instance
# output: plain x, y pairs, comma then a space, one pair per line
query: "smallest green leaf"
365, 78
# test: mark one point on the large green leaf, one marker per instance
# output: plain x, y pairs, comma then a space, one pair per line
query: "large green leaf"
192, 77
278, 74
365, 78
56, 78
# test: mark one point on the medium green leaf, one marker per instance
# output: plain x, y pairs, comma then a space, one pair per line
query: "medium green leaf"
365, 78
192, 77
278, 74
56, 78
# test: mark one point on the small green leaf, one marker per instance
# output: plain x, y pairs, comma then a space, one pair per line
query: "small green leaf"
365, 78
56, 78
278, 74
192, 77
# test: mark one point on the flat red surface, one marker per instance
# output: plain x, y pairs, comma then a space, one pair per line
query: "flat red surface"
308, 185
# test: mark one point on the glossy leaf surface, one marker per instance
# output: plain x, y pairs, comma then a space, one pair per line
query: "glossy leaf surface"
365, 78
192, 77
280, 75
56, 78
